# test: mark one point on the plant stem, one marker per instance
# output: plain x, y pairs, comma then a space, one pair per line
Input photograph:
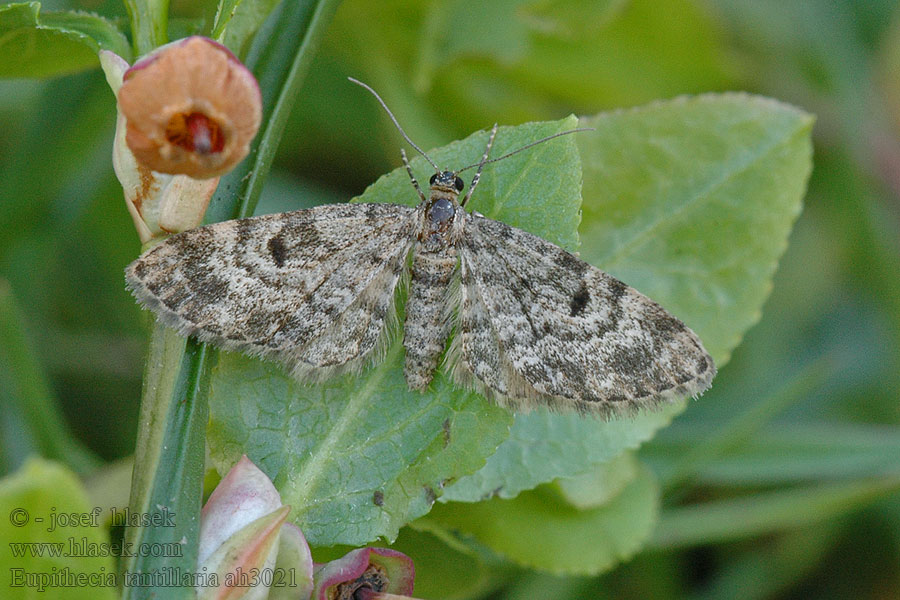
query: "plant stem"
279, 59
149, 24
170, 450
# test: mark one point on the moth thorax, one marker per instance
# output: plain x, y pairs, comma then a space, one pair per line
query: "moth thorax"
441, 211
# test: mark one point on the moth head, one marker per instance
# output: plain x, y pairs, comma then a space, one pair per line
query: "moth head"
447, 179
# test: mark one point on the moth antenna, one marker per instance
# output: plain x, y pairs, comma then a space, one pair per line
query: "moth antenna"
396, 123
411, 176
481, 163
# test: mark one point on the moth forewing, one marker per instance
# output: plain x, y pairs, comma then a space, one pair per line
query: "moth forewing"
312, 289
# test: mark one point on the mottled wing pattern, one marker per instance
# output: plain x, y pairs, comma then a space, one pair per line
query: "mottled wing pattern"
312, 288
536, 325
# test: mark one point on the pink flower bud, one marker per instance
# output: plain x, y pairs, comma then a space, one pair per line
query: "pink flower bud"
245, 543
365, 571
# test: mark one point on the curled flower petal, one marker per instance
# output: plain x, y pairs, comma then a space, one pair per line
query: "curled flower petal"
191, 108
247, 550
293, 575
237, 564
244, 495
372, 569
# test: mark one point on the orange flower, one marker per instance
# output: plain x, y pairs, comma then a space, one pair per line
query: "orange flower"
159, 203
191, 108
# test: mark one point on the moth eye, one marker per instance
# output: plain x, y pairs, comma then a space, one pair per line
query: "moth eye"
433, 178
459, 184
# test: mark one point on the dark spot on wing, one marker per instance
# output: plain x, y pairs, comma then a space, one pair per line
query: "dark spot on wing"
631, 360
244, 230
310, 235
376, 258
579, 301
614, 293
277, 249
570, 262
665, 326
702, 364
617, 289
445, 427
683, 378
213, 289
505, 233
378, 498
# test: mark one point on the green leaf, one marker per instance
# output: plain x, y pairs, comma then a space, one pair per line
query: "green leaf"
537, 190
598, 486
538, 529
149, 23
367, 434
35, 44
542, 447
168, 458
718, 440
572, 20
237, 21
580, 55
441, 44
291, 38
636, 53
36, 497
691, 202
357, 457
584, 54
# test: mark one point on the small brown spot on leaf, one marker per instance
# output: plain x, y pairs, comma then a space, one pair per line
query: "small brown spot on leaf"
430, 496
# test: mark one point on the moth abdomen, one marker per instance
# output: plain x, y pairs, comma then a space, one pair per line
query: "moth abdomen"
427, 326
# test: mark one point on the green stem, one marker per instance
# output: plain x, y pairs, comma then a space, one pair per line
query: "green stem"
149, 24
765, 513
30, 399
166, 485
280, 63
169, 455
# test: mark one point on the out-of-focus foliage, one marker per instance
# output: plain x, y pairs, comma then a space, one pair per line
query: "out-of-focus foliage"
780, 482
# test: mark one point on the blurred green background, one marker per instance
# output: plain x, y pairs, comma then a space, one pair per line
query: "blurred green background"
810, 402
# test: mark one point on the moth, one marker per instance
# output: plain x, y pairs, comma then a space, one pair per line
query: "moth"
529, 323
